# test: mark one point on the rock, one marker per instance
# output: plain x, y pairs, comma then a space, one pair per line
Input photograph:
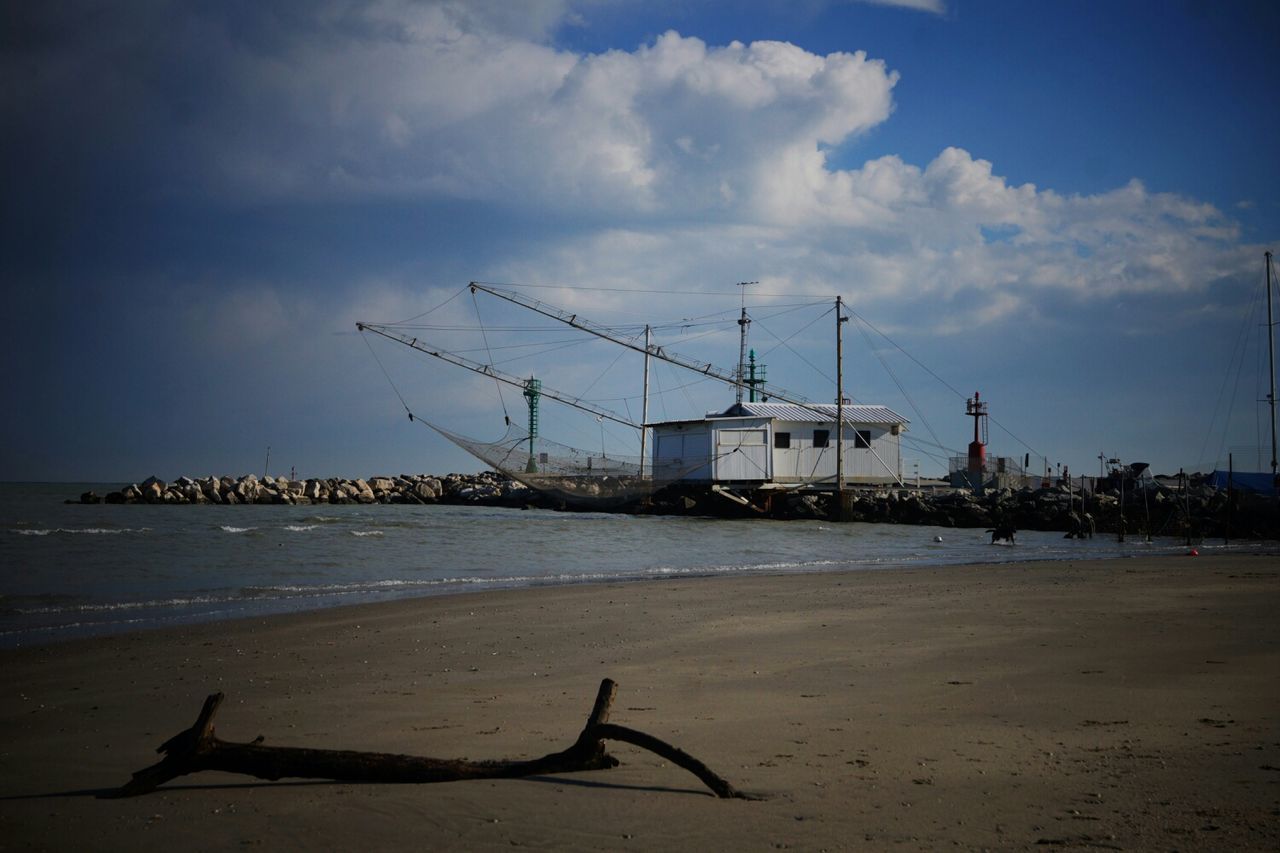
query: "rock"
90, 497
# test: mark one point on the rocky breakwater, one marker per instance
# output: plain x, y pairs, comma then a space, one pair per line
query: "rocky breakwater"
486, 488
1193, 509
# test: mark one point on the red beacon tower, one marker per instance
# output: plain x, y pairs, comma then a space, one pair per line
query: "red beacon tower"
976, 409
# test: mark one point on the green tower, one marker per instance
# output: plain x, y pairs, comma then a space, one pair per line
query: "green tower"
755, 376
532, 391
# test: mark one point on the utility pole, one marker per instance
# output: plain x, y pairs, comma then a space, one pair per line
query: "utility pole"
1271, 360
840, 319
743, 322
644, 407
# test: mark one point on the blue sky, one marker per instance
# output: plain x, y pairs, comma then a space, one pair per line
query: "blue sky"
1063, 205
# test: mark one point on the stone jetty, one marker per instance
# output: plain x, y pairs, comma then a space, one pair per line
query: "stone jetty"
1158, 506
487, 487
1192, 509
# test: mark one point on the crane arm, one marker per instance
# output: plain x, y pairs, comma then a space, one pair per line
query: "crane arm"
491, 371
705, 368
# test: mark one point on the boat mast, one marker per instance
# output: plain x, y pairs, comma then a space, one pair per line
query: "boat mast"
1271, 360
644, 406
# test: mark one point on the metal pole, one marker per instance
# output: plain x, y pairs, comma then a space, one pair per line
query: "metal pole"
1231, 475
1271, 361
743, 323
644, 407
1121, 470
840, 408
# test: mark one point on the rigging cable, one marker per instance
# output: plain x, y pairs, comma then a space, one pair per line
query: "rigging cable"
505, 414
429, 310
944, 382
621, 353
889, 370
1238, 355
784, 343
390, 382
685, 292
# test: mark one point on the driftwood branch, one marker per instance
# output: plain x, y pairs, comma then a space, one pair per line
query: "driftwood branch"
198, 749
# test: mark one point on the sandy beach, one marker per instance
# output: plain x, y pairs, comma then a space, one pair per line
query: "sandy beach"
1115, 704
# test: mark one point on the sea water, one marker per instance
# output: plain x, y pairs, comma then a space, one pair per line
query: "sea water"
80, 570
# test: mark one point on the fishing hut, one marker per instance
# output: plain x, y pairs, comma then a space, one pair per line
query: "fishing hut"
782, 444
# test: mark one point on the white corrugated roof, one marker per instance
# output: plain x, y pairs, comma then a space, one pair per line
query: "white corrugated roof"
853, 413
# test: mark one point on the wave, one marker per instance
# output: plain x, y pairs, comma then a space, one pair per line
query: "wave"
366, 532
300, 528
229, 529
113, 606
79, 531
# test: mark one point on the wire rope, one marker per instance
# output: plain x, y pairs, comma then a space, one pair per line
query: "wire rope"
497, 383
390, 381
903, 391
430, 310
794, 352
1239, 353
680, 292
621, 353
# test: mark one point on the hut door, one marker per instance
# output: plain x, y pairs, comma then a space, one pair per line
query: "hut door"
742, 454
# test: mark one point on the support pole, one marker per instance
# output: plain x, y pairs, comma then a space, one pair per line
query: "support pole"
840, 319
743, 322
1271, 361
644, 406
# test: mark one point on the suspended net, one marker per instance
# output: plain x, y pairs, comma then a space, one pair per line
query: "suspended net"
575, 476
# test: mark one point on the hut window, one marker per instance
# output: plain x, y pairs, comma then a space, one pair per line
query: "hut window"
821, 437
782, 440
862, 438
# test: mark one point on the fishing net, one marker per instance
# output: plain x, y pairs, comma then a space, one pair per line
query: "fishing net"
575, 476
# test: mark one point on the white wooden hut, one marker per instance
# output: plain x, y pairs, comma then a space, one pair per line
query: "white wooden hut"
781, 443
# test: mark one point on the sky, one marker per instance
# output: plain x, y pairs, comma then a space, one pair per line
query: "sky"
1062, 205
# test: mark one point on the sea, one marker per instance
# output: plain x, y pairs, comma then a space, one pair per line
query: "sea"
72, 570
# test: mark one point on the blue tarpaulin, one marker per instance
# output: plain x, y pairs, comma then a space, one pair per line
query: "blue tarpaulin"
1245, 481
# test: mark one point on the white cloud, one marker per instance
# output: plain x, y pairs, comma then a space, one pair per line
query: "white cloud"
691, 161
937, 7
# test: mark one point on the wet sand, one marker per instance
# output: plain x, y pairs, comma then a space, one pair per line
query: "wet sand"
1119, 704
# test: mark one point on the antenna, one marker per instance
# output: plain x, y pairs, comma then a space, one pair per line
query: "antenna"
743, 322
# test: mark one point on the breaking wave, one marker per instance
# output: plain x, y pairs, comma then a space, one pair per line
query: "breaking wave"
79, 531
